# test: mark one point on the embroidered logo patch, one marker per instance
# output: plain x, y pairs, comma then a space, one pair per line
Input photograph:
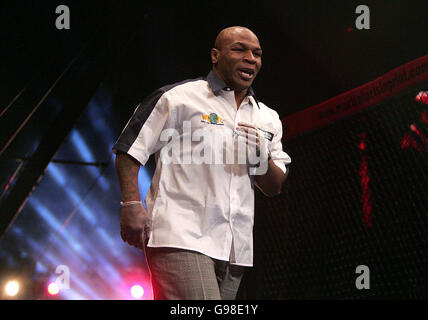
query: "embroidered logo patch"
212, 118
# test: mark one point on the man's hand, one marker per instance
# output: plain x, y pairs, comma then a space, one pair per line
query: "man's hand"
257, 147
135, 225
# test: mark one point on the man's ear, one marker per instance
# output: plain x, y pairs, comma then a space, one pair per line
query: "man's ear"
214, 55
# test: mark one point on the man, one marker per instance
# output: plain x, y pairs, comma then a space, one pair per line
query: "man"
197, 229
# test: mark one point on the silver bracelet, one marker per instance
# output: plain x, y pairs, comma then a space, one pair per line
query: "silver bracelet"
129, 203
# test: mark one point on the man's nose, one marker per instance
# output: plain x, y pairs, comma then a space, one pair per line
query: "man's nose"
249, 57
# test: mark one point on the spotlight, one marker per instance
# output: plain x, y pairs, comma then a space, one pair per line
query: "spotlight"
53, 289
422, 96
11, 288
137, 291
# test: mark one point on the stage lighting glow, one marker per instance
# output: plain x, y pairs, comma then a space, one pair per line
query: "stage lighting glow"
96, 259
85, 152
137, 291
12, 288
422, 96
53, 289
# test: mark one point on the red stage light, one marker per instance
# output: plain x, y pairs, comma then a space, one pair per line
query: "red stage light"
135, 285
425, 97
422, 96
365, 184
137, 291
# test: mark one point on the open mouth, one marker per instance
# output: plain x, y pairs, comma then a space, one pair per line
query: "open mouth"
246, 74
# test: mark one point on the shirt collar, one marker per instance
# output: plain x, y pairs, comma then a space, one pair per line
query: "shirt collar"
217, 84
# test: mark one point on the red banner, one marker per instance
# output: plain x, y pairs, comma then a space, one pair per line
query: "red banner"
357, 99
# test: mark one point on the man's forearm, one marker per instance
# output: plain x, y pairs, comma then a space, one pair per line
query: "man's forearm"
127, 171
271, 182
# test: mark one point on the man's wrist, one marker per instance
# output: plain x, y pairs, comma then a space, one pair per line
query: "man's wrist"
130, 203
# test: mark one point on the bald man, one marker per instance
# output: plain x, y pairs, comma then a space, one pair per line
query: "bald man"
213, 142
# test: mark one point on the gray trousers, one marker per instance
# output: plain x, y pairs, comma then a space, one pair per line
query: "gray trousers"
179, 274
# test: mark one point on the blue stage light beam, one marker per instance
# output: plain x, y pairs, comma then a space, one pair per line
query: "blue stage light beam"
50, 219
83, 150
56, 173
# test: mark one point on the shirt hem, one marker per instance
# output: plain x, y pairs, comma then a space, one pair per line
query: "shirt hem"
200, 251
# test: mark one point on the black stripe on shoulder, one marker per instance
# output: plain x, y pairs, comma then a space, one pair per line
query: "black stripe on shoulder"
142, 113
171, 86
147, 105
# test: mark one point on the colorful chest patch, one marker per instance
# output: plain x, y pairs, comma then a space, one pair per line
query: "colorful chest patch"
212, 118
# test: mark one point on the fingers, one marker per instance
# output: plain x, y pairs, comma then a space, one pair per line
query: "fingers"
138, 243
251, 133
246, 124
246, 127
251, 136
132, 237
134, 225
123, 234
249, 130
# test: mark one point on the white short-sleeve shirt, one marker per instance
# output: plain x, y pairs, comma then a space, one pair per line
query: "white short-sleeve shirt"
206, 207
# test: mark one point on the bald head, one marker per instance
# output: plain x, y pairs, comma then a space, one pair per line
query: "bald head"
227, 35
237, 57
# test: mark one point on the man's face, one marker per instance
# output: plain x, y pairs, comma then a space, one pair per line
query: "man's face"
238, 58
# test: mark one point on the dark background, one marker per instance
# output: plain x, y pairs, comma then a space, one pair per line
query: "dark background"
312, 50
311, 239
118, 52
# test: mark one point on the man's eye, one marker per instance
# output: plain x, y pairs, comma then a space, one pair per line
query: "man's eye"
237, 49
